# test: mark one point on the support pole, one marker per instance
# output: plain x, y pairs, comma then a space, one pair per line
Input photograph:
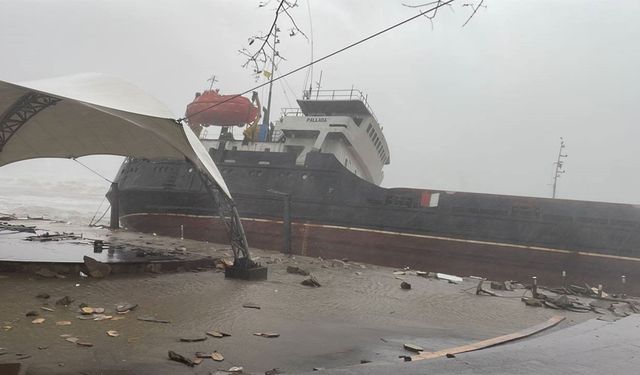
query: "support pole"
114, 222
286, 235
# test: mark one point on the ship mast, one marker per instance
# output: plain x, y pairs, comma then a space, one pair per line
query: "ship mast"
273, 68
559, 166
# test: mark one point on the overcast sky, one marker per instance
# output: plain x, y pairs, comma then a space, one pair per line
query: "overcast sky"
479, 108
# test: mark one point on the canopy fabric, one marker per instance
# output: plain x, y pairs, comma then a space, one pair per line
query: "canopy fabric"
90, 114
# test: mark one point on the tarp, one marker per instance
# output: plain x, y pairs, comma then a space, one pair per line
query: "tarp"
90, 114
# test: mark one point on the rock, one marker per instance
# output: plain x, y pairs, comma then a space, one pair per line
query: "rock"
95, 268
45, 272
413, 348
449, 355
405, 285
113, 333
65, 301
98, 310
32, 313
217, 357
193, 339
87, 310
297, 270
179, 358
197, 361
311, 282
125, 307
38, 321
43, 296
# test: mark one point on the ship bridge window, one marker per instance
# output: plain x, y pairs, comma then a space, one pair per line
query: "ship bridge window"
369, 128
357, 120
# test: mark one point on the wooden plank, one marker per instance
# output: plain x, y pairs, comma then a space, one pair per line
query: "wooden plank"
553, 321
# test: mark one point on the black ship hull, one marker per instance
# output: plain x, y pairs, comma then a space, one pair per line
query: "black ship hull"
335, 214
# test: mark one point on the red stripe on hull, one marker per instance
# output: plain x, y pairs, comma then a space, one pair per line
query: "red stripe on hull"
491, 260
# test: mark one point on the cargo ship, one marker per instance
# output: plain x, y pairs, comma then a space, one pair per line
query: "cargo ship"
322, 164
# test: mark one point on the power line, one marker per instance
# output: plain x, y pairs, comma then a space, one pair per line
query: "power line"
420, 14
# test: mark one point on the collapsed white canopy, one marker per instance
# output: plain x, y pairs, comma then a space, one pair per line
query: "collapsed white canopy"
90, 114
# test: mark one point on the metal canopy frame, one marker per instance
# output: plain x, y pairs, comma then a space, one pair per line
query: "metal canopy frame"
27, 106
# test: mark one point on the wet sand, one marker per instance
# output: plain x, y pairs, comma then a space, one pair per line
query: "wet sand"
359, 313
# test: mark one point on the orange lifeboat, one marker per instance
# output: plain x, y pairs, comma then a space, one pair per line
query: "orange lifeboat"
211, 108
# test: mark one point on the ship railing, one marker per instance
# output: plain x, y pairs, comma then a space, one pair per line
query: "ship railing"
340, 94
291, 112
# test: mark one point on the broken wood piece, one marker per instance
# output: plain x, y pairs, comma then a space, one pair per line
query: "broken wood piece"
180, 358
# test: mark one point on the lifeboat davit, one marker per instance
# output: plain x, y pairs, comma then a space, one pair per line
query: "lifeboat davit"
211, 108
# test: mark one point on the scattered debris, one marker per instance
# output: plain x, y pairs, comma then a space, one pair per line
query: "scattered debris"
413, 348
84, 343
99, 317
113, 333
312, 282
399, 273
72, 340
96, 268
98, 310
53, 237
406, 358
236, 369
505, 285
179, 358
405, 285
421, 273
38, 321
450, 278
274, 371
217, 334
297, 270
197, 361
533, 302
481, 290
269, 335
65, 301
152, 319
43, 296
449, 355
45, 308
63, 323
16, 228
251, 306
193, 339
363, 361
32, 313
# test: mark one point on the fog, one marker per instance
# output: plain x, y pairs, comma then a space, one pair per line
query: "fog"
478, 108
